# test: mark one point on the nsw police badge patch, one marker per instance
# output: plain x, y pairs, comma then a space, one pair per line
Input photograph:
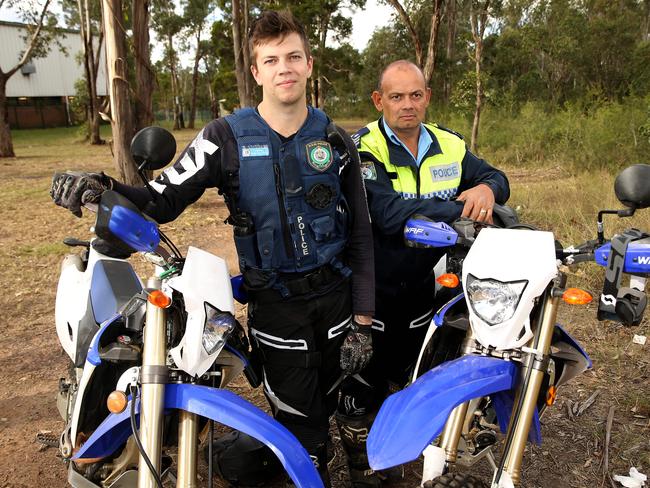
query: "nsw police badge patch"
368, 170
319, 155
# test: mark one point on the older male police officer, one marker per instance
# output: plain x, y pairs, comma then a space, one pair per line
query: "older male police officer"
301, 228
409, 168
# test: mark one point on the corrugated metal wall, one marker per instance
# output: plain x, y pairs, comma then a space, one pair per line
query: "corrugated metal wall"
55, 74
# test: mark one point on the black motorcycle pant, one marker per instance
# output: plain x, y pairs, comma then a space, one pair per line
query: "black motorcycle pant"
299, 340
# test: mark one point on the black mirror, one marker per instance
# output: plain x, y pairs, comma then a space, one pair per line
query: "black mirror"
153, 148
632, 186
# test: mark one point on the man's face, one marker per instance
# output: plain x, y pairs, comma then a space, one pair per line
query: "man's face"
282, 68
403, 98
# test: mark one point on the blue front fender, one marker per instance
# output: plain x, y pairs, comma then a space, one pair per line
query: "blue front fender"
224, 407
410, 419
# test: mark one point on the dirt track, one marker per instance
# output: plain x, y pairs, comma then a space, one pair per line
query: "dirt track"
32, 362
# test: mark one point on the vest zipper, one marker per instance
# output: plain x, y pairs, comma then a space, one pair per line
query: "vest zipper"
286, 234
417, 182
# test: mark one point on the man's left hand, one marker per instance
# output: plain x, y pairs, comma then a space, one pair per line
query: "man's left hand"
479, 202
356, 349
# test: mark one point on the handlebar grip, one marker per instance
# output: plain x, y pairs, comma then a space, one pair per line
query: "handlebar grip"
72, 242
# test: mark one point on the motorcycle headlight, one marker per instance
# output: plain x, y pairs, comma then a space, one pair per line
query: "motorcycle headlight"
494, 301
218, 326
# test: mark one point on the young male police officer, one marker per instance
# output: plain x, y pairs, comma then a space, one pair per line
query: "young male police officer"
302, 230
409, 168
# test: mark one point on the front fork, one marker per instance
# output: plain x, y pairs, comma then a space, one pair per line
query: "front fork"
153, 376
523, 412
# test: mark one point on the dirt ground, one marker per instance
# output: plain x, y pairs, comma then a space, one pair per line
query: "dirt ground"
574, 449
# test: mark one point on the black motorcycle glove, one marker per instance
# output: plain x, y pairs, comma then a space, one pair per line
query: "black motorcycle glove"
356, 349
71, 190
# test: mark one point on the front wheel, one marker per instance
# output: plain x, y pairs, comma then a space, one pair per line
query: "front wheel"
455, 480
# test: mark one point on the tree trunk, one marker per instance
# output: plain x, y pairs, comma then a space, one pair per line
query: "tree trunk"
411, 28
214, 104
144, 75
195, 81
174, 79
478, 20
451, 39
239, 47
6, 146
430, 64
320, 85
246, 55
479, 96
121, 117
90, 71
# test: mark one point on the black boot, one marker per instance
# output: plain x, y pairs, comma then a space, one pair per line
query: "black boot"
320, 463
354, 433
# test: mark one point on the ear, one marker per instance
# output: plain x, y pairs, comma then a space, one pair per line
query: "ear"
427, 95
310, 66
376, 99
255, 74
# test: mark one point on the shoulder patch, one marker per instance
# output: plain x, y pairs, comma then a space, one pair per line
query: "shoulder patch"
450, 131
368, 170
356, 137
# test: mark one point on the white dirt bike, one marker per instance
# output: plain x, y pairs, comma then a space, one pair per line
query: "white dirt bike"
148, 362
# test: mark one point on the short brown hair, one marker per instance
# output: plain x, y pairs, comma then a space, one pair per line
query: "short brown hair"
273, 24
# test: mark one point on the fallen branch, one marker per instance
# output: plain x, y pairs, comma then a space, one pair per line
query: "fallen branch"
587, 403
608, 435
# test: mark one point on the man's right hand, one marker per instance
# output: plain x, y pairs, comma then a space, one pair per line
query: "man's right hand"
71, 189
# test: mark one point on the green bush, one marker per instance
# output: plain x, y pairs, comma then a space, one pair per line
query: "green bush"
604, 135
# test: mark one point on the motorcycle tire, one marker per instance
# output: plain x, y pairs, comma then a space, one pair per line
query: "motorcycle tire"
455, 480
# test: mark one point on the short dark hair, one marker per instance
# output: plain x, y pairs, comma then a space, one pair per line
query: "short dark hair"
273, 24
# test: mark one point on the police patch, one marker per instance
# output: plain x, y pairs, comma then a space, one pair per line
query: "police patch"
255, 151
368, 170
445, 172
319, 155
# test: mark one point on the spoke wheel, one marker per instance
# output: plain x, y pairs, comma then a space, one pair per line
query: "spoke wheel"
455, 480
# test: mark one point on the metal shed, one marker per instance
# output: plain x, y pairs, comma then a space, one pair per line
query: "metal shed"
38, 95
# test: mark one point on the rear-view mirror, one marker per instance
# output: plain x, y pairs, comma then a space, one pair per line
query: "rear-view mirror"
153, 148
632, 186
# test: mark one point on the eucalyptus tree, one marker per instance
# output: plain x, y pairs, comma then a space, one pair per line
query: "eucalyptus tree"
36, 41
195, 13
168, 24
87, 17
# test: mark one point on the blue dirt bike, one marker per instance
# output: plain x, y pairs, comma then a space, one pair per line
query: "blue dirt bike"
494, 355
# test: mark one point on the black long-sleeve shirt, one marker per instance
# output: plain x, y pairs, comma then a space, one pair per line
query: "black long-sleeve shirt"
199, 167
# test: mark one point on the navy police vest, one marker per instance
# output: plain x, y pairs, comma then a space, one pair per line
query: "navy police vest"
292, 192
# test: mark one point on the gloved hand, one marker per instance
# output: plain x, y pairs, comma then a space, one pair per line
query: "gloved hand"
356, 349
71, 190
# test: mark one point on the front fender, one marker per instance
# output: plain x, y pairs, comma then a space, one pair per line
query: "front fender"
410, 419
221, 406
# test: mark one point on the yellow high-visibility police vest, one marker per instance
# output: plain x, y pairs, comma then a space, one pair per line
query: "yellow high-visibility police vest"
439, 173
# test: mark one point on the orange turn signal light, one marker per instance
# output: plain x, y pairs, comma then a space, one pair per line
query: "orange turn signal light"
576, 296
448, 280
159, 299
117, 402
551, 395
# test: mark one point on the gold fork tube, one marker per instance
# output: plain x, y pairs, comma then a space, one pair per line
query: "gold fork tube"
188, 427
152, 395
450, 435
515, 454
